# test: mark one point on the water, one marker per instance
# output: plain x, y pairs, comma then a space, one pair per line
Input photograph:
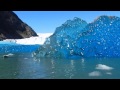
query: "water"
24, 66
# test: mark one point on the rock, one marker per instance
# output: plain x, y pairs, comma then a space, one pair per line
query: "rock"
11, 27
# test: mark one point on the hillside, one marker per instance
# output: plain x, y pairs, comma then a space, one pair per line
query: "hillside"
11, 27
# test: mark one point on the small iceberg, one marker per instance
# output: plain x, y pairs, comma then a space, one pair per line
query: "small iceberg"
95, 73
103, 67
8, 55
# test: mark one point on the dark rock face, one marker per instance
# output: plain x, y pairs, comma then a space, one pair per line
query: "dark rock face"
11, 27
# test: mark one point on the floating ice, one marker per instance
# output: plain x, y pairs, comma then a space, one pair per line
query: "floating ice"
8, 55
77, 38
95, 73
103, 67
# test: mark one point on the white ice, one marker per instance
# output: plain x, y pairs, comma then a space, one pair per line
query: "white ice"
8, 55
103, 67
40, 39
95, 73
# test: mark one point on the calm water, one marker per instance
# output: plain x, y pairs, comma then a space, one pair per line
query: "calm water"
24, 66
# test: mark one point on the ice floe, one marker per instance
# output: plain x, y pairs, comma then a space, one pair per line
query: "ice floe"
103, 67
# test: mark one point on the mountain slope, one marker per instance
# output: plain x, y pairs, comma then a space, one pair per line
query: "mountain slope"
11, 27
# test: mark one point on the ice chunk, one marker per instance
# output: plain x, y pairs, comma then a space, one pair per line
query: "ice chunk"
8, 55
95, 73
103, 67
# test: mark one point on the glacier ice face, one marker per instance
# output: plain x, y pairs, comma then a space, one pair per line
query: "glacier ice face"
10, 46
23, 45
100, 38
40, 39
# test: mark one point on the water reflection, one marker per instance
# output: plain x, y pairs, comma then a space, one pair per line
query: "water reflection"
83, 63
109, 73
24, 66
21, 66
52, 63
8, 67
72, 69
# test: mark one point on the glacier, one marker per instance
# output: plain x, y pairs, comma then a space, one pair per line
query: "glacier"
77, 38
39, 40
25, 45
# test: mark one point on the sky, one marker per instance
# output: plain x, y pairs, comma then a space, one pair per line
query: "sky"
47, 21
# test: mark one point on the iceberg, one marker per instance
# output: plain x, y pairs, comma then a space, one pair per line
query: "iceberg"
103, 67
100, 38
94, 73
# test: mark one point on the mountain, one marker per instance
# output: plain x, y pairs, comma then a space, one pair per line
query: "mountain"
11, 27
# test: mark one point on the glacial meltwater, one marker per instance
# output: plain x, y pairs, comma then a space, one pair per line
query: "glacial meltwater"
17, 62
24, 66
